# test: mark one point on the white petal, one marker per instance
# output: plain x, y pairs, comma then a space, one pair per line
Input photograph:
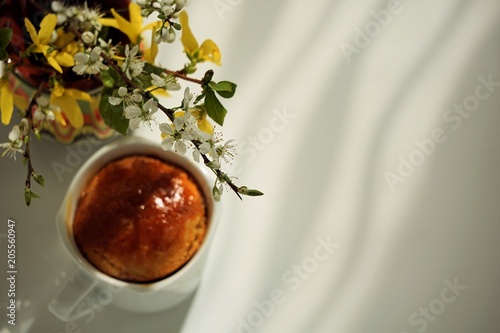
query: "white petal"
38, 116
15, 133
149, 104
134, 51
166, 129
114, 100
56, 6
134, 123
179, 123
132, 111
81, 58
43, 101
122, 91
205, 148
95, 55
51, 116
80, 69
136, 98
196, 155
173, 86
167, 143
187, 98
157, 80
180, 147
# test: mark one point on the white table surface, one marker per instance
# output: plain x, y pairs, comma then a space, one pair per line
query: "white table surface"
323, 169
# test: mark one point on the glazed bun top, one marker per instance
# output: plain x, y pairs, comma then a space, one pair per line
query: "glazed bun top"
140, 219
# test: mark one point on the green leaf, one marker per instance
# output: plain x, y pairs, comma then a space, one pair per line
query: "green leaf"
27, 198
250, 192
5, 37
225, 89
215, 109
28, 195
112, 114
39, 179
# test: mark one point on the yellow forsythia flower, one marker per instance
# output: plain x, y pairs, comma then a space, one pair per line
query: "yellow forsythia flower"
66, 100
132, 28
208, 51
42, 39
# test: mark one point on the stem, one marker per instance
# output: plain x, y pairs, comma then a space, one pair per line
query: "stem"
27, 153
219, 175
184, 77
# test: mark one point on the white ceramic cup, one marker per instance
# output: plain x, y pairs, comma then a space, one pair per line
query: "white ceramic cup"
89, 285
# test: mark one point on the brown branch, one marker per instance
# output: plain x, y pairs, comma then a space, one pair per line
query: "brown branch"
27, 139
220, 175
184, 77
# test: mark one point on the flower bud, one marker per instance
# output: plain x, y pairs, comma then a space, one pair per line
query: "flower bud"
38, 116
168, 35
157, 37
50, 116
88, 37
167, 10
14, 134
56, 6
180, 4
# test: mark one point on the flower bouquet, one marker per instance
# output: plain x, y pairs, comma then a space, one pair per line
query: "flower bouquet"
65, 51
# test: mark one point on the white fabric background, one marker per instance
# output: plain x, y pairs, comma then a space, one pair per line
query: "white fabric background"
323, 174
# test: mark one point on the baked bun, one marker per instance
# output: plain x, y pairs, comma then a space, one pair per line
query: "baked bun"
140, 219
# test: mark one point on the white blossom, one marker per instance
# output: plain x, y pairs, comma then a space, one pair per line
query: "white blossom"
132, 66
136, 115
126, 98
89, 63
157, 80
14, 145
44, 110
226, 151
173, 138
169, 82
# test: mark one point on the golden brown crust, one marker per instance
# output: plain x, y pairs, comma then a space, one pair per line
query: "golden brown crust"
140, 219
